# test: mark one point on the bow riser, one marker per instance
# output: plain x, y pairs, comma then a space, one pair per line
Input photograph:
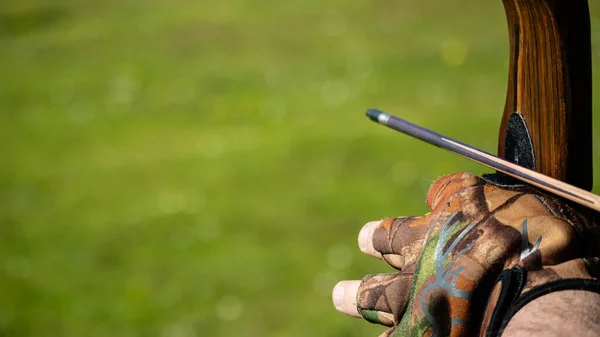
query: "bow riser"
550, 85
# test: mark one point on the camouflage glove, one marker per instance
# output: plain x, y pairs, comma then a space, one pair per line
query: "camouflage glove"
450, 259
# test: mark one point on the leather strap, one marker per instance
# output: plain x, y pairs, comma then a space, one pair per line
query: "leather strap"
511, 299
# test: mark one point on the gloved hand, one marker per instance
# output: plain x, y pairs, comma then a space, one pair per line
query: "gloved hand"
449, 260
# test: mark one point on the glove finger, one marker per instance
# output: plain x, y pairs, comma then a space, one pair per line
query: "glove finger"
398, 241
383, 298
445, 188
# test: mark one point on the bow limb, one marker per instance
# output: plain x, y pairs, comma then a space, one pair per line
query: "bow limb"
550, 86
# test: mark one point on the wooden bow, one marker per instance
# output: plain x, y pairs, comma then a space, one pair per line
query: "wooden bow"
550, 85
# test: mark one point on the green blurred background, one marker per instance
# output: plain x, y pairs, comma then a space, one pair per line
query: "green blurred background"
202, 168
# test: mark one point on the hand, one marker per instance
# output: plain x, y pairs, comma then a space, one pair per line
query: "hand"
449, 259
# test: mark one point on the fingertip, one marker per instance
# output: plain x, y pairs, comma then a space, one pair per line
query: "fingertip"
337, 295
365, 238
364, 235
344, 297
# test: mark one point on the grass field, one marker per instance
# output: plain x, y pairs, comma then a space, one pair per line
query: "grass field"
202, 168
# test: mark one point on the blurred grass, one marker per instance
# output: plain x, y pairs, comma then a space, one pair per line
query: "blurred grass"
192, 168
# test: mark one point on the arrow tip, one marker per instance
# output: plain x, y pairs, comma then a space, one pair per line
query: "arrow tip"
378, 116
373, 114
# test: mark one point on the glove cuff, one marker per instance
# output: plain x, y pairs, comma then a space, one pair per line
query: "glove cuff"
512, 299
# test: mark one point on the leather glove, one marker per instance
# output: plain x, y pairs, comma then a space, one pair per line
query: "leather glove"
449, 260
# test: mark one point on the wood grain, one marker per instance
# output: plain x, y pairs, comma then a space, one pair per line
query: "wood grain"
550, 85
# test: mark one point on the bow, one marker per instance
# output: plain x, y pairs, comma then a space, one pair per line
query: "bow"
547, 120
